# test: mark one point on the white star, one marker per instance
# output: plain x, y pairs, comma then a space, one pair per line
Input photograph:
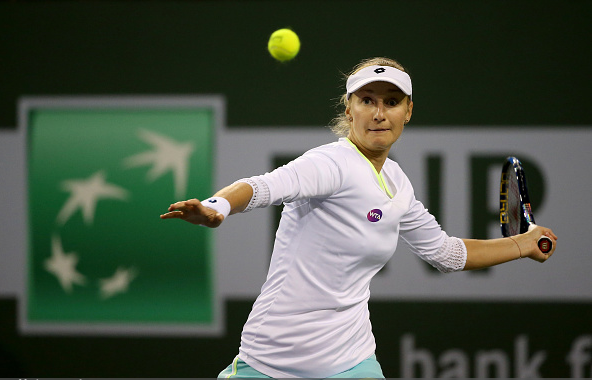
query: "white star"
167, 155
118, 283
62, 265
85, 195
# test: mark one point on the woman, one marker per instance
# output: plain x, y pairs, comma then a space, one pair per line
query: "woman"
345, 206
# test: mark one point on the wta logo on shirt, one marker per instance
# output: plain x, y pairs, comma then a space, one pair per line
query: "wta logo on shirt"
374, 215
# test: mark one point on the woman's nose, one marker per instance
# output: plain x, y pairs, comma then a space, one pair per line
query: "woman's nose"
379, 113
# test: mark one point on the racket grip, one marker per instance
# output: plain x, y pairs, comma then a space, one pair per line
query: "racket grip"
545, 243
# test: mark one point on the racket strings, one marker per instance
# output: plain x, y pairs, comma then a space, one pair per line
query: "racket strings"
514, 206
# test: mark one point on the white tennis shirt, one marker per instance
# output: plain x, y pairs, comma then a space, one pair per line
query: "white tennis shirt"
338, 228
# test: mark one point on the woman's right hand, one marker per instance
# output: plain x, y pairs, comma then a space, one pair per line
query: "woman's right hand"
193, 211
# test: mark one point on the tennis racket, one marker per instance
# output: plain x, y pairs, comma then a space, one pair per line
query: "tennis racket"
515, 212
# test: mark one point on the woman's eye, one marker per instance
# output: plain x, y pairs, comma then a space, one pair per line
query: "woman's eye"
366, 100
392, 102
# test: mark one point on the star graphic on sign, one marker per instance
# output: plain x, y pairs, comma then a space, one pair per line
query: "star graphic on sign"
63, 266
167, 155
85, 193
118, 283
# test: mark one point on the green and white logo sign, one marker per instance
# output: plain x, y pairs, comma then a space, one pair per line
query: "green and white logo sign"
100, 172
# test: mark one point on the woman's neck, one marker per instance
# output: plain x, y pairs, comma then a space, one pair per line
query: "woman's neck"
376, 157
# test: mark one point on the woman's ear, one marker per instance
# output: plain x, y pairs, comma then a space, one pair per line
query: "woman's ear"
409, 110
348, 113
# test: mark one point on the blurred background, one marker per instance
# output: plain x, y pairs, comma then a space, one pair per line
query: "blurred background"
476, 66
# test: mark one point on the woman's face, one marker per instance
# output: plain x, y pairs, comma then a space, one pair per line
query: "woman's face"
378, 113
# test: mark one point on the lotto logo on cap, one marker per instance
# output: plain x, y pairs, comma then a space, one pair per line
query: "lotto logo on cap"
379, 74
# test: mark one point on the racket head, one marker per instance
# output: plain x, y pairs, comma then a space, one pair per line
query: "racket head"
515, 211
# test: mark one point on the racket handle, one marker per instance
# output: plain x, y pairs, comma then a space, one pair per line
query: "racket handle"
545, 243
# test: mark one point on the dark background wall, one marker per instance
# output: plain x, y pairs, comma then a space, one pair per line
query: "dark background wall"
474, 63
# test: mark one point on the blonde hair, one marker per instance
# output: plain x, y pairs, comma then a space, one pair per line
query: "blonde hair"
341, 124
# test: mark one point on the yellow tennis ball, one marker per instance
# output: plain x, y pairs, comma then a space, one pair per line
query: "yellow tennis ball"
283, 45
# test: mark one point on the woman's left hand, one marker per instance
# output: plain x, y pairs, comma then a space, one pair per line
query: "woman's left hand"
528, 243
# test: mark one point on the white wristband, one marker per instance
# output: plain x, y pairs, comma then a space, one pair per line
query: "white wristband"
219, 204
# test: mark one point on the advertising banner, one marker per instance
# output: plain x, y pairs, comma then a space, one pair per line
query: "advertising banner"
100, 172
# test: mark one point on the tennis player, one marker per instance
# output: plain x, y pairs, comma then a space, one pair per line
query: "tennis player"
346, 204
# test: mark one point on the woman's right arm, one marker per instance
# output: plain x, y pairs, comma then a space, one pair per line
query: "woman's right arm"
309, 176
193, 211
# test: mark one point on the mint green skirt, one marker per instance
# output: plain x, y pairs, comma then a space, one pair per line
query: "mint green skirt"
369, 368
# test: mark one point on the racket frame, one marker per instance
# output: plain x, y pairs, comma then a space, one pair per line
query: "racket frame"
526, 216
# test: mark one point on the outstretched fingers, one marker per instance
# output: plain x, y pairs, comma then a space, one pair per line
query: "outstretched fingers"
172, 215
183, 209
194, 212
188, 205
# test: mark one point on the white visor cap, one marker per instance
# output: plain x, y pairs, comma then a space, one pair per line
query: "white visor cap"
379, 74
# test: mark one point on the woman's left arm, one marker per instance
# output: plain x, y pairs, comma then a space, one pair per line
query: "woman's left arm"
487, 253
